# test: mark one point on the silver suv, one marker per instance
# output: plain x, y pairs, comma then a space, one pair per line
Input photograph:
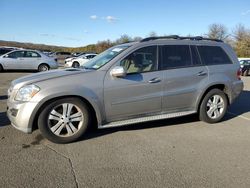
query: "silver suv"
156, 78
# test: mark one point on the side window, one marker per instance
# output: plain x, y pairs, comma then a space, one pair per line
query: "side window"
16, 54
32, 54
195, 56
142, 60
175, 56
213, 55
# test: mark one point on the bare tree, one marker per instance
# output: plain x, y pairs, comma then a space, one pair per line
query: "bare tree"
218, 31
123, 39
152, 34
241, 40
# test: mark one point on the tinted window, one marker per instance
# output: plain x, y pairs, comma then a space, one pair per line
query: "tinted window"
32, 54
16, 54
213, 55
142, 60
173, 56
195, 56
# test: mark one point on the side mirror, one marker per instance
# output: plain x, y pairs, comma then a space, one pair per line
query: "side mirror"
5, 56
118, 71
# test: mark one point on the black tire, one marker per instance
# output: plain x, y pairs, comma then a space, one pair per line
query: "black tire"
43, 67
203, 111
75, 64
1, 68
45, 126
245, 73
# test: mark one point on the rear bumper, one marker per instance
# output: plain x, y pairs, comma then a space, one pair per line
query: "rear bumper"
237, 88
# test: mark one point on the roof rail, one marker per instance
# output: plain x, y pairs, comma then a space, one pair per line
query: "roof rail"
177, 37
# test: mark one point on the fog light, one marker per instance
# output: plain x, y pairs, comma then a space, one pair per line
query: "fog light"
13, 112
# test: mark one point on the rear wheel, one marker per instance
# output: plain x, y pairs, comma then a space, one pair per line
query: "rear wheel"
43, 67
213, 106
245, 73
1, 68
64, 120
75, 64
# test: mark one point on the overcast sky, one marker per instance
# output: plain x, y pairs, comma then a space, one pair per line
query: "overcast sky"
81, 22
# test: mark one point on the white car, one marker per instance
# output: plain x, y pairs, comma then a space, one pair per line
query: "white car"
79, 61
26, 60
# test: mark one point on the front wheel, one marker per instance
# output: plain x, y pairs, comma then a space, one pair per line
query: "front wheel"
75, 64
213, 107
64, 120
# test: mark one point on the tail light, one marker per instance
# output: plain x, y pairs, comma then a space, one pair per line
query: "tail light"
239, 74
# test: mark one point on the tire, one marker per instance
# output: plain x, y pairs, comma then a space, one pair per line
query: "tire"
1, 68
245, 73
43, 67
64, 120
213, 106
75, 64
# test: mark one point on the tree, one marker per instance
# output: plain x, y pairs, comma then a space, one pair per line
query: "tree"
152, 34
241, 41
218, 31
123, 39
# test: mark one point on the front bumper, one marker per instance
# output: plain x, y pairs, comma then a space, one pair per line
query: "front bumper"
68, 64
19, 113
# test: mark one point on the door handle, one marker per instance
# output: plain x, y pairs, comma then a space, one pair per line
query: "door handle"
154, 80
201, 73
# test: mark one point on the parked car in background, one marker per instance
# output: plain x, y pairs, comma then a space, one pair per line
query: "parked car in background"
245, 66
26, 60
5, 50
60, 56
156, 78
76, 54
79, 61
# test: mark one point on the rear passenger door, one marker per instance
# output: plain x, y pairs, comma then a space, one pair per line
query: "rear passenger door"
31, 60
184, 76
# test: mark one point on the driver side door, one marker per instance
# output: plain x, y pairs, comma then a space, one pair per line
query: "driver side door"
137, 94
14, 60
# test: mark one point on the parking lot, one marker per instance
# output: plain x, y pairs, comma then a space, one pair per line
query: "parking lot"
182, 152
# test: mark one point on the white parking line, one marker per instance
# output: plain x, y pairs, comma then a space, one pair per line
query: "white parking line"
241, 116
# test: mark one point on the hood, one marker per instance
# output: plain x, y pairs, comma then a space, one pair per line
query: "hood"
38, 77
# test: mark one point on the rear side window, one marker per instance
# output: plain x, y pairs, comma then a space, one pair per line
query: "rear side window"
175, 56
32, 54
213, 55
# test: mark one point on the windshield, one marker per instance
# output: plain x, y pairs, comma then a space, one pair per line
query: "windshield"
103, 58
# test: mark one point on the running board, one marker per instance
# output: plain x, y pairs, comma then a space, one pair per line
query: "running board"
145, 119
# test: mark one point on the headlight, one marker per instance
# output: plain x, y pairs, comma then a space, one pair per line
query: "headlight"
241, 66
27, 92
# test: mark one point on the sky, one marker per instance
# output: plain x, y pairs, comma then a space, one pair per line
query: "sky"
75, 23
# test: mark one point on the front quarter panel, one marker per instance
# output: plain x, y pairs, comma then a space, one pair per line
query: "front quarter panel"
87, 85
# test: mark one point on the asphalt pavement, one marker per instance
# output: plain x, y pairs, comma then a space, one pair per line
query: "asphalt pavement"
181, 152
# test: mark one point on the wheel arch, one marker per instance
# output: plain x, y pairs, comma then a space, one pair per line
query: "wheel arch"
96, 115
221, 86
43, 64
